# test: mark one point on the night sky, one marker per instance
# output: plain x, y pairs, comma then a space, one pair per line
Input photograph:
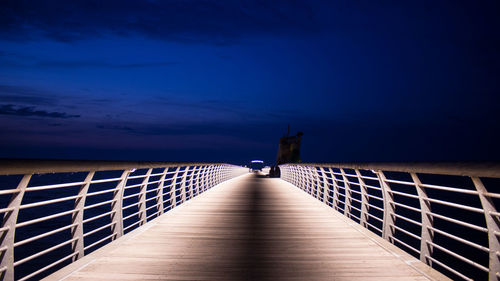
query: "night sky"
221, 80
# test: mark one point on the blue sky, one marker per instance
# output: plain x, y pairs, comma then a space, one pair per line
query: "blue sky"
221, 80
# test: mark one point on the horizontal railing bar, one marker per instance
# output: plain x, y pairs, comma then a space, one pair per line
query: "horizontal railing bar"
137, 177
19, 262
492, 195
99, 241
407, 219
374, 227
9, 191
131, 215
375, 207
466, 224
403, 194
101, 192
441, 264
98, 217
409, 183
457, 256
497, 214
404, 244
459, 239
355, 191
54, 186
47, 267
25, 223
406, 232
459, 206
355, 208
375, 217
25, 166
99, 204
133, 185
132, 225
105, 180
369, 178
356, 200
472, 169
148, 217
378, 188
31, 239
447, 188
99, 229
48, 202
406, 207
131, 196
375, 197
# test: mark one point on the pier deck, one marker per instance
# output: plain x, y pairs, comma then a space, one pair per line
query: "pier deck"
249, 228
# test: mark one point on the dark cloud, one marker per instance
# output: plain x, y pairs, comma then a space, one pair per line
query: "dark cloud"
115, 128
219, 22
101, 64
25, 95
10, 109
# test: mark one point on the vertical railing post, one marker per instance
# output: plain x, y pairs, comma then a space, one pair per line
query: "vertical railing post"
160, 192
210, 177
319, 183
142, 198
302, 178
312, 179
204, 178
389, 210
188, 187
307, 176
197, 181
493, 226
206, 174
298, 176
173, 188
364, 199
335, 203
183, 184
9, 222
201, 178
77, 218
218, 175
347, 190
325, 185
117, 204
426, 235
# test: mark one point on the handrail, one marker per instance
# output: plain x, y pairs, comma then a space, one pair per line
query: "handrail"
418, 213
471, 169
36, 166
86, 204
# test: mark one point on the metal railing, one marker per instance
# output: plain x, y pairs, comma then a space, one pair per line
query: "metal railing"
55, 212
444, 214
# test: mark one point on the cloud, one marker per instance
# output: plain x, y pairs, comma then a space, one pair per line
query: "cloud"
100, 64
25, 95
217, 22
10, 109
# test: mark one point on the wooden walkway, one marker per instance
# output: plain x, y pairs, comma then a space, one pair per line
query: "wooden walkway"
249, 228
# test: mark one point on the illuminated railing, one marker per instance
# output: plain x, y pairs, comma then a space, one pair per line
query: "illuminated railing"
444, 214
55, 212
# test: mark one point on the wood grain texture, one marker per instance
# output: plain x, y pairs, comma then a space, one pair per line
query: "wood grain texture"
249, 228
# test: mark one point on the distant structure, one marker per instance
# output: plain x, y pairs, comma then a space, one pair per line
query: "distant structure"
256, 165
288, 151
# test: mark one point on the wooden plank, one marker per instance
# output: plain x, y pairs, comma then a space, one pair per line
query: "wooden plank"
250, 228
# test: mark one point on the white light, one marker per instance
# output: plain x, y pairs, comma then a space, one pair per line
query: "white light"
257, 161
